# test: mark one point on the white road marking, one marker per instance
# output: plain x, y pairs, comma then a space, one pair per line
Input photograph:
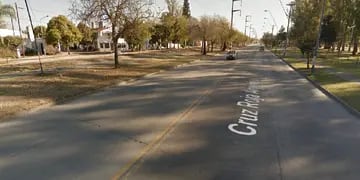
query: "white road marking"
246, 124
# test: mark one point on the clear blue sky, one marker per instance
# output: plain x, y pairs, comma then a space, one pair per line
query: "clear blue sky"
255, 8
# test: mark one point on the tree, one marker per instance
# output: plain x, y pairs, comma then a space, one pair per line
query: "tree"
213, 31
238, 38
176, 25
280, 36
305, 26
193, 29
40, 31
12, 42
267, 39
328, 33
222, 31
204, 31
173, 7
6, 11
88, 35
186, 9
60, 29
136, 34
355, 14
179, 30
118, 13
159, 35
53, 36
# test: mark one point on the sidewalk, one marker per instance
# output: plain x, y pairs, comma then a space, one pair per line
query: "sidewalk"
35, 59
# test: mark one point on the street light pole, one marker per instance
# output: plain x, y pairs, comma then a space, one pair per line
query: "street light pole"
316, 49
272, 18
43, 18
288, 27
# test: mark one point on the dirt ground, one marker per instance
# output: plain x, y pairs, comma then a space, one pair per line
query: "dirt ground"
22, 88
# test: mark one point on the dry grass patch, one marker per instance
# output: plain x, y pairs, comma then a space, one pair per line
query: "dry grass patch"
67, 79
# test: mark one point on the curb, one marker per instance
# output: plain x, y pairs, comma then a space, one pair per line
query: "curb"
347, 107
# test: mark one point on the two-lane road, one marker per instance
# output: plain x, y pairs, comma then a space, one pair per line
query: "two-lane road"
252, 118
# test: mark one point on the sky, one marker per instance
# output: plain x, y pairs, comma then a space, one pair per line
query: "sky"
43, 10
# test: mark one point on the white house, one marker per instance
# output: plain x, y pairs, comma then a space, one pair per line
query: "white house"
104, 41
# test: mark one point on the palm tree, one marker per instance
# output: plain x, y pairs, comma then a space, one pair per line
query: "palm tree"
6, 10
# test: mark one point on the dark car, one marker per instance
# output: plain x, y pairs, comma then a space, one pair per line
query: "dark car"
231, 55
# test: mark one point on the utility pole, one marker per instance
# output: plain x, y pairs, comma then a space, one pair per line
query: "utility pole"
36, 45
316, 49
250, 31
20, 30
233, 11
12, 25
246, 21
272, 36
232, 17
18, 19
272, 17
288, 27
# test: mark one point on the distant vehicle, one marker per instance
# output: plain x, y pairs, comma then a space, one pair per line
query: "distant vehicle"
262, 48
231, 55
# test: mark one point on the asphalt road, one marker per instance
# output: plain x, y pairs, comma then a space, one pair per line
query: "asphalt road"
248, 119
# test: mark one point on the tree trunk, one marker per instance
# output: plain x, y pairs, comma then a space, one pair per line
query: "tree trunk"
350, 43
212, 46
343, 43
338, 48
308, 60
204, 47
116, 52
224, 47
356, 43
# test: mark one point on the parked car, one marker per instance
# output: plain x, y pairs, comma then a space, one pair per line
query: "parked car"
231, 55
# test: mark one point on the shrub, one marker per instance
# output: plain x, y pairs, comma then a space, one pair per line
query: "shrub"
50, 50
7, 53
12, 42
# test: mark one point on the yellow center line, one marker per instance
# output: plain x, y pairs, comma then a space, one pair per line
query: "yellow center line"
126, 169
